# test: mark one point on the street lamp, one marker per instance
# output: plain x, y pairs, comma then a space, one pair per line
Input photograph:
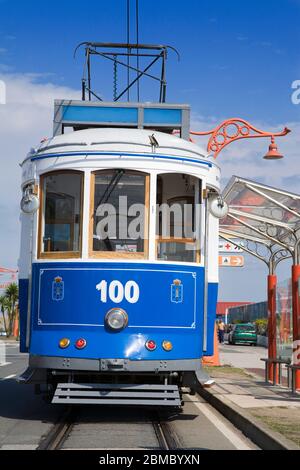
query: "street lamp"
273, 153
224, 134
236, 129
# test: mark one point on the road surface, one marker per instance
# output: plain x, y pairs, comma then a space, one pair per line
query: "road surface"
25, 420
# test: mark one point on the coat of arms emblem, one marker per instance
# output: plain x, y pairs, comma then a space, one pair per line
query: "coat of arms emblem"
177, 292
58, 289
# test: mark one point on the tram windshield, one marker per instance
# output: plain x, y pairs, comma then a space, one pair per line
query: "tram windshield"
120, 215
120, 212
62, 201
178, 218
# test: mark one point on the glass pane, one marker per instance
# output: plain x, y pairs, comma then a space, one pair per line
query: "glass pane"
245, 328
181, 252
178, 217
62, 193
261, 206
119, 212
284, 316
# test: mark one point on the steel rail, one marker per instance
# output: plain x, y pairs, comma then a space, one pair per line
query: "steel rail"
59, 433
167, 439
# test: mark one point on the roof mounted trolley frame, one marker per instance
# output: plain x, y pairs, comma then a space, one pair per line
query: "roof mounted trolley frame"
92, 112
115, 52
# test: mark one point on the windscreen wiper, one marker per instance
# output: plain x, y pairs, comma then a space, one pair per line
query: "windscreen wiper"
110, 188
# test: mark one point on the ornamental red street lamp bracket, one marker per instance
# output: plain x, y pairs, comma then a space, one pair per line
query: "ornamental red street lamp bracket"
236, 129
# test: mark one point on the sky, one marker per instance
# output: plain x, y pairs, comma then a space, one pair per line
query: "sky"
237, 59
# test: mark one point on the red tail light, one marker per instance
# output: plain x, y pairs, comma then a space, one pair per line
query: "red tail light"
151, 345
80, 343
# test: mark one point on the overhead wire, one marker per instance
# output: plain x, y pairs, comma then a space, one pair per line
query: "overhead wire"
137, 42
128, 49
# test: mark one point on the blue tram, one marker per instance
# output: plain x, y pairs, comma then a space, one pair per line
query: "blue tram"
119, 255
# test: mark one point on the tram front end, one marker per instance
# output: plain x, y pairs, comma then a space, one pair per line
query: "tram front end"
118, 265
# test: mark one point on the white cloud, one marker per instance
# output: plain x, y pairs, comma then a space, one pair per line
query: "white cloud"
24, 121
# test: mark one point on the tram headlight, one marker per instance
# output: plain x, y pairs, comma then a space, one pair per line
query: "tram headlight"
30, 202
116, 319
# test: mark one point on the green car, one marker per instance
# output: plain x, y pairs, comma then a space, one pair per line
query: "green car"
243, 333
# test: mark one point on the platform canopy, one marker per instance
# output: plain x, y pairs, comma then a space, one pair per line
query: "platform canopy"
262, 220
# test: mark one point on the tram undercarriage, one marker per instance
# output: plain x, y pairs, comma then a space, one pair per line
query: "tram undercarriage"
114, 386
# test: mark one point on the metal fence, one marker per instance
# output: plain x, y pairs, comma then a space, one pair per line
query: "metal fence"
248, 313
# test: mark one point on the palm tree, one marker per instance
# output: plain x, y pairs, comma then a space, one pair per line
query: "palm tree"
12, 294
4, 304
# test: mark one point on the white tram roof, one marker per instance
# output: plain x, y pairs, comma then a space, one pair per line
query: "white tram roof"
104, 146
118, 140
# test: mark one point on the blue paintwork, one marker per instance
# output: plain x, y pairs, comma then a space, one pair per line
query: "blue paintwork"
120, 115
120, 154
211, 316
81, 313
162, 116
100, 114
23, 306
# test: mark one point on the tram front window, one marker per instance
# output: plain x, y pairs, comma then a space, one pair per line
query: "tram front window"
178, 218
120, 212
62, 202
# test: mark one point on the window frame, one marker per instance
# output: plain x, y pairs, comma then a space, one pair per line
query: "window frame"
186, 241
41, 219
124, 254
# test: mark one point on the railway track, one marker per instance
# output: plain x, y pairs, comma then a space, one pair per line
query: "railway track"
166, 437
60, 431
197, 426
57, 439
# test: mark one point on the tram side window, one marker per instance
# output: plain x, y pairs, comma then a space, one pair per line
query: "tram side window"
119, 215
62, 201
178, 218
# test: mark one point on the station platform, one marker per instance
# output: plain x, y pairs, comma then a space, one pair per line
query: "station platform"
241, 388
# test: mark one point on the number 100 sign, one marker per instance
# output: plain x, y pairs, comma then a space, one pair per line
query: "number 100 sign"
117, 292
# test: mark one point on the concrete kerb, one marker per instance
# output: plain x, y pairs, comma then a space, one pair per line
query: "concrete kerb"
261, 435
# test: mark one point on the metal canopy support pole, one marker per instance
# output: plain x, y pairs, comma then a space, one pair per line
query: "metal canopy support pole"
275, 259
272, 347
296, 312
